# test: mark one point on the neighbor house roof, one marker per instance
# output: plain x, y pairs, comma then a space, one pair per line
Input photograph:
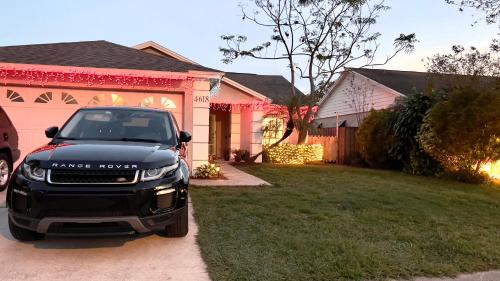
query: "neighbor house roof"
275, 87
408, 83
404, 82
99, 54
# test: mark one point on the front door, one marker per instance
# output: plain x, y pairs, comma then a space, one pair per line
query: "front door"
219, 141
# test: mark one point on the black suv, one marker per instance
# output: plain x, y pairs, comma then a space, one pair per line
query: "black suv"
109, 170
9, 152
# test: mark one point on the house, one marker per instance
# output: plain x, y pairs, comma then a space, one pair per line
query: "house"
358, 90
42, 85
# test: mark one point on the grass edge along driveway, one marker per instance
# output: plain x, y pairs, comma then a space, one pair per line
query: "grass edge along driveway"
342, 223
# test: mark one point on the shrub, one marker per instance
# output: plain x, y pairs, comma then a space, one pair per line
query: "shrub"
207, 171
463, 132
241, 154
406, 149
375, 138
465, 176
295, 153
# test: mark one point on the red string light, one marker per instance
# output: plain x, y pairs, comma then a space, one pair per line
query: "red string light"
44, 77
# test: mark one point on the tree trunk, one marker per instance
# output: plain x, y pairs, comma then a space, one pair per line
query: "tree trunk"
302, 137
288, 131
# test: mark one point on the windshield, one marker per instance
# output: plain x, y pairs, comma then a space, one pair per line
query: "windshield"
120, 125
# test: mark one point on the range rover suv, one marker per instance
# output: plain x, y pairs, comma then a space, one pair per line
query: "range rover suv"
108, 170
9, 152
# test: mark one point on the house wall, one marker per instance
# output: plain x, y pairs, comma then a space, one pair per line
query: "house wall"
189, 93
330, 122
201, 116
339, 101
231, 95
246, 123
246, 129
236, 129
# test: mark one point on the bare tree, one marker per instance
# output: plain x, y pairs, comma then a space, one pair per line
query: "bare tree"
359, 97
317, 39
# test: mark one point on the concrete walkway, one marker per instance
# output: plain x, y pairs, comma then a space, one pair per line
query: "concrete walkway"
235, 177
479, 276
144, 257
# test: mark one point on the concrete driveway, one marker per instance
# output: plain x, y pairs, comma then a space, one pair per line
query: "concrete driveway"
145, 257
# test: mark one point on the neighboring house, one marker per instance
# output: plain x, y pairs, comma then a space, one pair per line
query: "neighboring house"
42, 85
357, 91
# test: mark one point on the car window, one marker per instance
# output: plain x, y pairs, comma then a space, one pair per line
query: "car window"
120, 124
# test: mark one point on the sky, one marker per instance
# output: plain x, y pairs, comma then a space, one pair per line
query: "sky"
193, 28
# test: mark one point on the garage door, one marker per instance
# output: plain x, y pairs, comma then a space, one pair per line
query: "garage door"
32, 110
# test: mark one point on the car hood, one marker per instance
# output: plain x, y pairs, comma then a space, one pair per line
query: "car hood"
103, 155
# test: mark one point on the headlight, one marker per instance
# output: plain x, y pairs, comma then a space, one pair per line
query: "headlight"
157, 173
34, 172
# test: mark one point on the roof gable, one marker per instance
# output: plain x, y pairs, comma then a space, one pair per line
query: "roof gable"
153, 47
98, 54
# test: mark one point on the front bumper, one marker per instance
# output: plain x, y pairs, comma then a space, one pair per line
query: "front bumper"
90, 210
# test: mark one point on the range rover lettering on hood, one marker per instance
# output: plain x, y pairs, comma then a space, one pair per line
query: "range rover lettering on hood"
57, 165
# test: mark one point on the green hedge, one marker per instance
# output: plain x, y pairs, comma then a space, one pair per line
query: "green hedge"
295, 154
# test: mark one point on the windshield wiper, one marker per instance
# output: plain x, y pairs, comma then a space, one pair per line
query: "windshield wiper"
137, 140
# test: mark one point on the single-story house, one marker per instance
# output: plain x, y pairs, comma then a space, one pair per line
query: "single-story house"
358, 90
42, 85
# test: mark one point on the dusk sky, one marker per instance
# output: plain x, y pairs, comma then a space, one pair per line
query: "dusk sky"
193, 28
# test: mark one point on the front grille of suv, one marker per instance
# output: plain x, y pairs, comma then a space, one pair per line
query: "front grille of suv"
96, 177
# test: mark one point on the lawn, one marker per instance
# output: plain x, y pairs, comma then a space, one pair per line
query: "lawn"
341, 223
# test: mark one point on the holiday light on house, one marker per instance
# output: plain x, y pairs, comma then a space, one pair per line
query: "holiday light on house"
41, 77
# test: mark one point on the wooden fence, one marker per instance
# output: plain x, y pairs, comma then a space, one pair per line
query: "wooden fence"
339, 149
329, 146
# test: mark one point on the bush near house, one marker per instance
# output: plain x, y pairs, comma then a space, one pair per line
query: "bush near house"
375, 138
405, 148
425, 134
463, 132
295, 153
207, 171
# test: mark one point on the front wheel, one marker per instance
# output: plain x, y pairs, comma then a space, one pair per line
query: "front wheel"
5, 169
22, 234
180, 227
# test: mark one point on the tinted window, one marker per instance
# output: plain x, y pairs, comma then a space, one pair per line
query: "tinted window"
120, 124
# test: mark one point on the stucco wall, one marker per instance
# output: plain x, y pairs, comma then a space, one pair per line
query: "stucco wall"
201, 116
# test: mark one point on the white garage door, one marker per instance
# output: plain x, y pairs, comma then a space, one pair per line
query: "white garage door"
32, 110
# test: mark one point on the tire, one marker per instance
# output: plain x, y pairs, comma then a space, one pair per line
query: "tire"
180, 227
22, 234
7, 163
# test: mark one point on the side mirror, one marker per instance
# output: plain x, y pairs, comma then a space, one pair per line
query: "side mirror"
184, 136
51, 132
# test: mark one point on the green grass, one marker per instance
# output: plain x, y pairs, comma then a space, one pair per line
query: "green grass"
341, 223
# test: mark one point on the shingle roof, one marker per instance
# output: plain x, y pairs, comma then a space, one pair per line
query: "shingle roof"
275, 87
404, 82
411, 82
99, 54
